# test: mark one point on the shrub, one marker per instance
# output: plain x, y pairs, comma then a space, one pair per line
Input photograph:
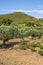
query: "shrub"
36, 44
6, 33
7, 21
32, 49
40, 52
41, 47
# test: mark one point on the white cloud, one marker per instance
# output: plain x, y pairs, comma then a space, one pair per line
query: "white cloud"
31, 11
38, 11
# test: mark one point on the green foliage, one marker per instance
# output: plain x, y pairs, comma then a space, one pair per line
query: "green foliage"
36, 44
21, 18
7, 21
41, 47
19, 31
40, 52
5, 33
32, 49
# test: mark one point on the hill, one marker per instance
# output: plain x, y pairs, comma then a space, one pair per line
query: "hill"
21, 18
18, 17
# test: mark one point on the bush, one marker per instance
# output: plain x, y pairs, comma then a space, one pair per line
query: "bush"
40, 52
6, 33
7, 21
32, 49
36, 44
41, 47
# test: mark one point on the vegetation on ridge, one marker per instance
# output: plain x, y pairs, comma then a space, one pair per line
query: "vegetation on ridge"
20, 18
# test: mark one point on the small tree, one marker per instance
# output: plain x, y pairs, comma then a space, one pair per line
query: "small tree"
7, 21
6, 33
22, 34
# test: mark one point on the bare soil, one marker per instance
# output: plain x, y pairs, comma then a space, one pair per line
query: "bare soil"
19, 57
15, 56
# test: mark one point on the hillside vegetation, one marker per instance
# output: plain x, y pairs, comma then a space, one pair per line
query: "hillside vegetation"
20, 17
19, 25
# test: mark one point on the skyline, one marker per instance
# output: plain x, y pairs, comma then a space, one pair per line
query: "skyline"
30, 7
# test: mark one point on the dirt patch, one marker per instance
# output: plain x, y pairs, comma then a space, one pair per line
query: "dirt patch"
15, 56
19, 57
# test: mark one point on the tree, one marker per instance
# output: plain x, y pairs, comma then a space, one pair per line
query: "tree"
7, 21
6, 33
22, 34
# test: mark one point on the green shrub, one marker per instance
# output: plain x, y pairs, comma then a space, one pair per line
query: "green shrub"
36, 44
41, 47
40, 52
32, 49
7, 21
6, 33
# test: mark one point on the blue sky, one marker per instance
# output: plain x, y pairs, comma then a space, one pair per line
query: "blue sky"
31, 7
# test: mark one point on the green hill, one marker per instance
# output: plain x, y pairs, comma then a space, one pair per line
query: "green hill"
19, 17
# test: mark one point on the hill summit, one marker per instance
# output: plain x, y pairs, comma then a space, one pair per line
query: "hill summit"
18, 17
